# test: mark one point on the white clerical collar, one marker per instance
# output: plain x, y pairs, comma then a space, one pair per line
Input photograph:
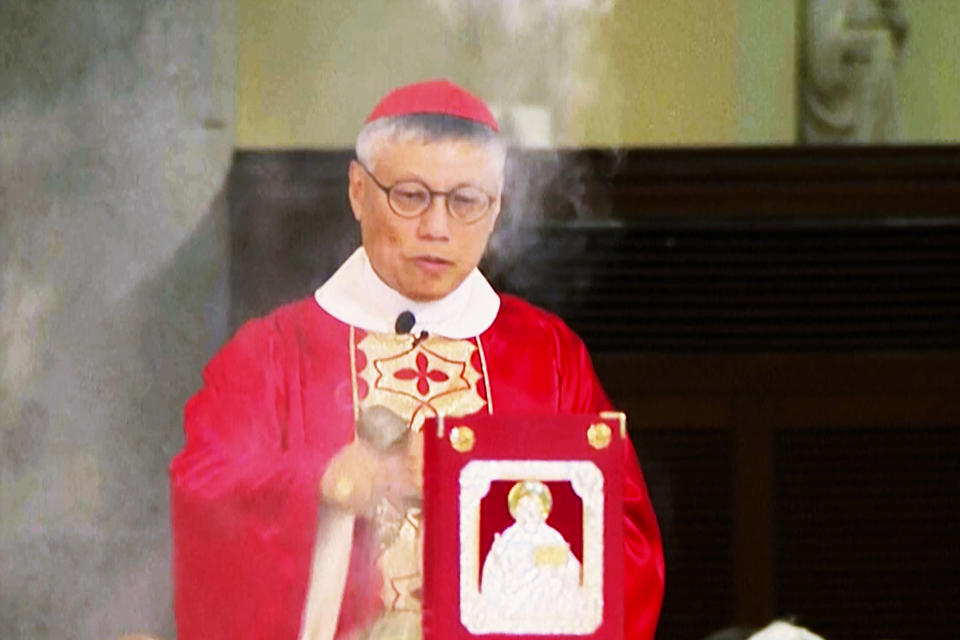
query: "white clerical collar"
356, 295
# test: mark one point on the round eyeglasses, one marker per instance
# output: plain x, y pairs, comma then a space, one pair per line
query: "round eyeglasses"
410, 198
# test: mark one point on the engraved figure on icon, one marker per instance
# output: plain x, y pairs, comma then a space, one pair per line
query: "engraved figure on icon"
530, 571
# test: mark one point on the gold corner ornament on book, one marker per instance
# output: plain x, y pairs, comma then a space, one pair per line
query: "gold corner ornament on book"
523, 526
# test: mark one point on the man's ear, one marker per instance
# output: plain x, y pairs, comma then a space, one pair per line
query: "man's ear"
355, 187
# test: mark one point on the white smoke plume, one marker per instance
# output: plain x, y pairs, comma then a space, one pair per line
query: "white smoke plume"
536, 63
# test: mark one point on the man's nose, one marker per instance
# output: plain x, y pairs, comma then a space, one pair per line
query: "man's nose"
435, 222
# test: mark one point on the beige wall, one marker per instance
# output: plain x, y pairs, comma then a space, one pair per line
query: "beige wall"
767, 98
670, 77
308, 71
929, 73
646, 72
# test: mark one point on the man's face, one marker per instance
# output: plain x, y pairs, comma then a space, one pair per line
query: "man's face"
426, 257
530, 513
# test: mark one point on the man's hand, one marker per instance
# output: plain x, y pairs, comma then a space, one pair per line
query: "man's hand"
359, 475
349, 480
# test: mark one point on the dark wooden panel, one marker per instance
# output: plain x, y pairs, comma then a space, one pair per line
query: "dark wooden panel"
747, 248
689, 478
817, 375
290, 227
752, 400
750, 286
866, 529
777, 182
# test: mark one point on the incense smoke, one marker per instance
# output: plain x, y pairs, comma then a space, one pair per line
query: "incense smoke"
536, 65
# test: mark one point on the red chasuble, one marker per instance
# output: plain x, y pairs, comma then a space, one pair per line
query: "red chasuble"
280, 399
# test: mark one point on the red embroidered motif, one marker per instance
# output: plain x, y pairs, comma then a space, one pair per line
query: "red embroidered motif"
423, 375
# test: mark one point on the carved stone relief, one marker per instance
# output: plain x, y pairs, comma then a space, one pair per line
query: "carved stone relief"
849, 87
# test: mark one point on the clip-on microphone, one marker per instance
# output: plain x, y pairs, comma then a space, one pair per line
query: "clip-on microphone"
405, 322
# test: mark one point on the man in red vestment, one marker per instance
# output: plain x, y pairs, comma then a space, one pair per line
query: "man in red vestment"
285, 524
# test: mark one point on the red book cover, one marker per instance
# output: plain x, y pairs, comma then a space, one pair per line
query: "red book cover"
523, 527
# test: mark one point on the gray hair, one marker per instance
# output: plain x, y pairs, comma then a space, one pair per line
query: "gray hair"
427, 127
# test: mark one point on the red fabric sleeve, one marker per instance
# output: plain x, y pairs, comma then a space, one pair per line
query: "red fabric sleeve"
643, 550
244, 503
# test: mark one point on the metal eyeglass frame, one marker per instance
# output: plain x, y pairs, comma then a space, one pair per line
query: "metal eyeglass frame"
446, 196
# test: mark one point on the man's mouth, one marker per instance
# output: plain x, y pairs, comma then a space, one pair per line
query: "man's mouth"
432, 264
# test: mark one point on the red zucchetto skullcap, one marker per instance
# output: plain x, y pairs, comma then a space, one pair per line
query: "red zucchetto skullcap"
440, 97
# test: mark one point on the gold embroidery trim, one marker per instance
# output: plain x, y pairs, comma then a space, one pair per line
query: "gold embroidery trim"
457, 395
353, 375
486, 376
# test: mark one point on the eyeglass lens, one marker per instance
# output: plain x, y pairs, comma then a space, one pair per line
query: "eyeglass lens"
412, 198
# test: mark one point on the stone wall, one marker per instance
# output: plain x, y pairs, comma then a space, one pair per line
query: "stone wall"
116, 125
